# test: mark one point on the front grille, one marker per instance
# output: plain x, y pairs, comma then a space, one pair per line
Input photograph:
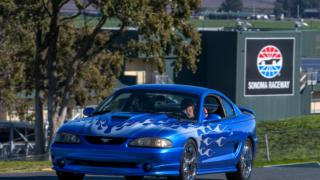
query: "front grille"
104, 140
103, 164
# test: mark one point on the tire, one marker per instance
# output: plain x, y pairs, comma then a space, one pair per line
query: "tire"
245, 164
68, 175
188, 163
133, 177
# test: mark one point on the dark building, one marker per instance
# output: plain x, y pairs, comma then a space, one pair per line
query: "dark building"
311, 13
257, 69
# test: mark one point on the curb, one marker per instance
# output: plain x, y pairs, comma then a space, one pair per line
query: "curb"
292, 164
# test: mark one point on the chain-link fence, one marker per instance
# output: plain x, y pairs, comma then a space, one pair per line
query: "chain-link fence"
7, 156
18, 151
299, 144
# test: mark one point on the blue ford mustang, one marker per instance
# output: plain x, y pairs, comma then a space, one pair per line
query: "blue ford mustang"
176, 131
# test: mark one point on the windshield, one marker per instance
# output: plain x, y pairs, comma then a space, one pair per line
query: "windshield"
179, 105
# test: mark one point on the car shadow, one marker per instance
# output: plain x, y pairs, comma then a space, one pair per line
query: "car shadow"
86, 178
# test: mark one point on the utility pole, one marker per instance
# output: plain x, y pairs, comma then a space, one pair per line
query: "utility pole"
298, 10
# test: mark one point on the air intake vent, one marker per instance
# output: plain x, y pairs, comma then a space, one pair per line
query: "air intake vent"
102, 163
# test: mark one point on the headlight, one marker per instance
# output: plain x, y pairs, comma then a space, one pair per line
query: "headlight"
151, 142
66, 138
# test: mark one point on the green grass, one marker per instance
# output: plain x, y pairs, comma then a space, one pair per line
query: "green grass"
280, 25
284, 162
23, 166
262, 24
92, 21
291, 140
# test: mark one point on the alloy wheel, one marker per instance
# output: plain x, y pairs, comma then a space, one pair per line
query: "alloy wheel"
246, 160
190, 162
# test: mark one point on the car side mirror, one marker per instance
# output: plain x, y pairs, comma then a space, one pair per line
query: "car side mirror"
88, 111
213, 118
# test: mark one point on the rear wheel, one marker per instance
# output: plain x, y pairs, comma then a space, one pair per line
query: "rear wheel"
133, 177
188, 163
244, 166
68, 175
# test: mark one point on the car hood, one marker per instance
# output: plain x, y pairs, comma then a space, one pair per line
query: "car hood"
129, 125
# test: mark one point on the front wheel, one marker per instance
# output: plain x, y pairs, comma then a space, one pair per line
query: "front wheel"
244, 166
188, 163
69, 176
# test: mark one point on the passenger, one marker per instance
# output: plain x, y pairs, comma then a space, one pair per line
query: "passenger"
188, 108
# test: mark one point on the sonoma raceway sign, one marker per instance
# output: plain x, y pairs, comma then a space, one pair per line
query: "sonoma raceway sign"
269, 66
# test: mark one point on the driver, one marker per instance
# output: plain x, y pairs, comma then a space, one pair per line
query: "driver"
205, 112
188, 108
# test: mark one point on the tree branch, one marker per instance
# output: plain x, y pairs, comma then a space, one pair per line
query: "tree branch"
111, 40
46, 8
87, 44
63, 3
78, 13
71, 17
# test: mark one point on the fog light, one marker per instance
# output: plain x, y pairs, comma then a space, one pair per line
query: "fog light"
61, 163
147, 167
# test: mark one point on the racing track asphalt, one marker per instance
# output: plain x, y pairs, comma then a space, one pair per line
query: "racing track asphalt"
296, 172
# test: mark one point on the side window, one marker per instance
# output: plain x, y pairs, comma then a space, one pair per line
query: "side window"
213, 106
228, 108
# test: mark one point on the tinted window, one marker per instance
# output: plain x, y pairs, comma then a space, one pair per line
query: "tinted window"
228, 108
171, 103
213, 106
115, 103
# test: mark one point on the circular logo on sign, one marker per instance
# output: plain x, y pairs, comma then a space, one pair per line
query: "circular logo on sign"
269, 61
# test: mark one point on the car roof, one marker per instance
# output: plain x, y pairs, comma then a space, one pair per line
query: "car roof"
173, 87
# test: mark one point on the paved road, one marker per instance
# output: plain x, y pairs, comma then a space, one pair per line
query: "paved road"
297, 172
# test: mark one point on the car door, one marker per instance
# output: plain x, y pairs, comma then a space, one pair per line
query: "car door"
217, 143
238, 127
233, 134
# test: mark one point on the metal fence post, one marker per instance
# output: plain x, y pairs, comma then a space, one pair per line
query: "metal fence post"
26, 143
267, 146
1, 151
11, 140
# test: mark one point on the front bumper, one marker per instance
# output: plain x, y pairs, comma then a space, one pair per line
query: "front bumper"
116, 160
